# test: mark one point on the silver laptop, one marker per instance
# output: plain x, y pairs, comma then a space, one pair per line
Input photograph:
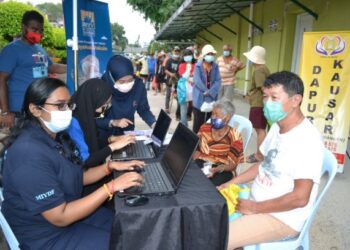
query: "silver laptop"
142, 151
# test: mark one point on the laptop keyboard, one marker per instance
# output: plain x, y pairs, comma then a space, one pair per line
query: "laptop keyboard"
138, 150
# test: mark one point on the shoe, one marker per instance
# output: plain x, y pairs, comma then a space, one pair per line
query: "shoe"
251, 159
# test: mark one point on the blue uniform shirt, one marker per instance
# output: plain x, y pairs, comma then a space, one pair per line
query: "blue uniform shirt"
125, 106
24, 63
37, 178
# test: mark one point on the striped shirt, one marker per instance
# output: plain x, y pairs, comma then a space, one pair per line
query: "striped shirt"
228, 150
228, 70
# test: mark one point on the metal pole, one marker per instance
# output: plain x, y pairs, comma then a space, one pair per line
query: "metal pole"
75, 42
249, 45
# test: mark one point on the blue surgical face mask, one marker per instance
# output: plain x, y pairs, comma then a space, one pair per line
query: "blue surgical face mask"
188, 58
273, 111
209, 58
226, 53
217, 123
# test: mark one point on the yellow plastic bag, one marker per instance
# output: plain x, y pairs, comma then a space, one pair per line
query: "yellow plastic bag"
231, 193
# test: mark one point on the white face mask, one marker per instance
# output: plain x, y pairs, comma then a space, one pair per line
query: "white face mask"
60, 120
125, 87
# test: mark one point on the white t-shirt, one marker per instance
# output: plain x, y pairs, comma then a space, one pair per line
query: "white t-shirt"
297, 154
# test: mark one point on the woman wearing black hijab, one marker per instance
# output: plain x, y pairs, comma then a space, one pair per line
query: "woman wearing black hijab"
129, 96
93, 99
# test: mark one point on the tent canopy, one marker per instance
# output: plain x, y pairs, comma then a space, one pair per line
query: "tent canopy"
194, 16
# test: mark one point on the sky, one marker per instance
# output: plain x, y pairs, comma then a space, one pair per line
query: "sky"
122, 13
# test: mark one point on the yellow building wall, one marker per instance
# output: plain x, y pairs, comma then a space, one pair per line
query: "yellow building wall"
332, 15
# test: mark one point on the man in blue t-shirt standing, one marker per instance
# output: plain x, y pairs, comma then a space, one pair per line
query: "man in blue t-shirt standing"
151, 61
21, 62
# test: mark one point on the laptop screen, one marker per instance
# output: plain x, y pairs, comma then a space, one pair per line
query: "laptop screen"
179, 152
161, 128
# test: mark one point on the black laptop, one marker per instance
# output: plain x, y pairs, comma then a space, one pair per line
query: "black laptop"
164, 177
142, 151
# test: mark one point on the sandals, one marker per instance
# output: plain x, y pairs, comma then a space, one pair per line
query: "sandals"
251, 159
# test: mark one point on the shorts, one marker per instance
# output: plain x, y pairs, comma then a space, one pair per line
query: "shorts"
256, 116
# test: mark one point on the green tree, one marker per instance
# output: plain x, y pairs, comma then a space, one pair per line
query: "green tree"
118, 35
11, 21
157, 11
53, 11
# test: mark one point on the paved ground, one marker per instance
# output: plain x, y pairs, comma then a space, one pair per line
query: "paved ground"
331, 227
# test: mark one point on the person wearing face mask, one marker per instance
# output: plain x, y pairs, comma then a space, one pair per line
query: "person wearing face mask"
129, 96
228, 67
22, 61
255, 96
185, 86
93, 99
43, 181
220, 144
207, 83
285, 182
171, 71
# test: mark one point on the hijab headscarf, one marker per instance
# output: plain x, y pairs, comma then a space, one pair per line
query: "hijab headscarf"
91, 95
117, 67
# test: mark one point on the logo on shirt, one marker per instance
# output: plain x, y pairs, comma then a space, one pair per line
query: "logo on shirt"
43, 196
88, 22
268, 168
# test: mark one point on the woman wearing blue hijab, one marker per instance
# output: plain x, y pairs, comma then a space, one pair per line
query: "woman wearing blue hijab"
129, 96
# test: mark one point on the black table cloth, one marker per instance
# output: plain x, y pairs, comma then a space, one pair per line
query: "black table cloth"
194, 218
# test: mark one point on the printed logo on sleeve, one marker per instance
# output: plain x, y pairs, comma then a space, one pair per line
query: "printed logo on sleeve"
45, 195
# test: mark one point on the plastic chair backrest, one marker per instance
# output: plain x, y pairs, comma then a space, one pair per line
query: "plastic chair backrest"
243, 126
329, 166
6, 229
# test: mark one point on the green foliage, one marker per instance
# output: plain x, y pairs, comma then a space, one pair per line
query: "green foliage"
156, 46
118, 35
10, 21
58, 38
57, 55
53, 11
157, 11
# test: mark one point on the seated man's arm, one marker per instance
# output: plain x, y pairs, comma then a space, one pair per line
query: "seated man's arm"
245, 177
299, 197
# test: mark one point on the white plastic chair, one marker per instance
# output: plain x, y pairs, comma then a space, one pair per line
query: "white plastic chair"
11, 239
243, 126
330, 166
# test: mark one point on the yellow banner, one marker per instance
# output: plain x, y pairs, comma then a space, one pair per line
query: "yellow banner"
325, 70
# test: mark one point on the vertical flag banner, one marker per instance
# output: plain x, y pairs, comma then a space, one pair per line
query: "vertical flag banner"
325, 70
94, 39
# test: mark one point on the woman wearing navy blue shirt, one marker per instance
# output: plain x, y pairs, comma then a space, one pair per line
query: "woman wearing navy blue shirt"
43, 182
129, 96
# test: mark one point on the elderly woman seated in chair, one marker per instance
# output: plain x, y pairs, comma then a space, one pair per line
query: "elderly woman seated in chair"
220, 145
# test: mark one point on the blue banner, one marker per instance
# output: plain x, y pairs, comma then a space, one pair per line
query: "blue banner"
94, 39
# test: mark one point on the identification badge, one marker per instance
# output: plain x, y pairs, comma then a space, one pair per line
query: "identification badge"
40, 72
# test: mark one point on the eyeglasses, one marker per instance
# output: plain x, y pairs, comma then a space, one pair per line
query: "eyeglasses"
63, 106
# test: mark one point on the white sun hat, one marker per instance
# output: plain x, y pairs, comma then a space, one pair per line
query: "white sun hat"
256, 55
207, 49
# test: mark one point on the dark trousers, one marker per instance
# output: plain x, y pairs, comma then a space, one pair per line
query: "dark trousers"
92, 232
199, 118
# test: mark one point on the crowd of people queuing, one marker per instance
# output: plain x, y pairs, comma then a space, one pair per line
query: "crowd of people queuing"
54, 199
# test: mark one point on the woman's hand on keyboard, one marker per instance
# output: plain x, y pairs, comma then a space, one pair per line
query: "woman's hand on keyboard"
127, 165
122, 141
126, 181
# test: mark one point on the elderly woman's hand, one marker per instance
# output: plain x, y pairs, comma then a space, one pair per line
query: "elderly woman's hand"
219, 169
